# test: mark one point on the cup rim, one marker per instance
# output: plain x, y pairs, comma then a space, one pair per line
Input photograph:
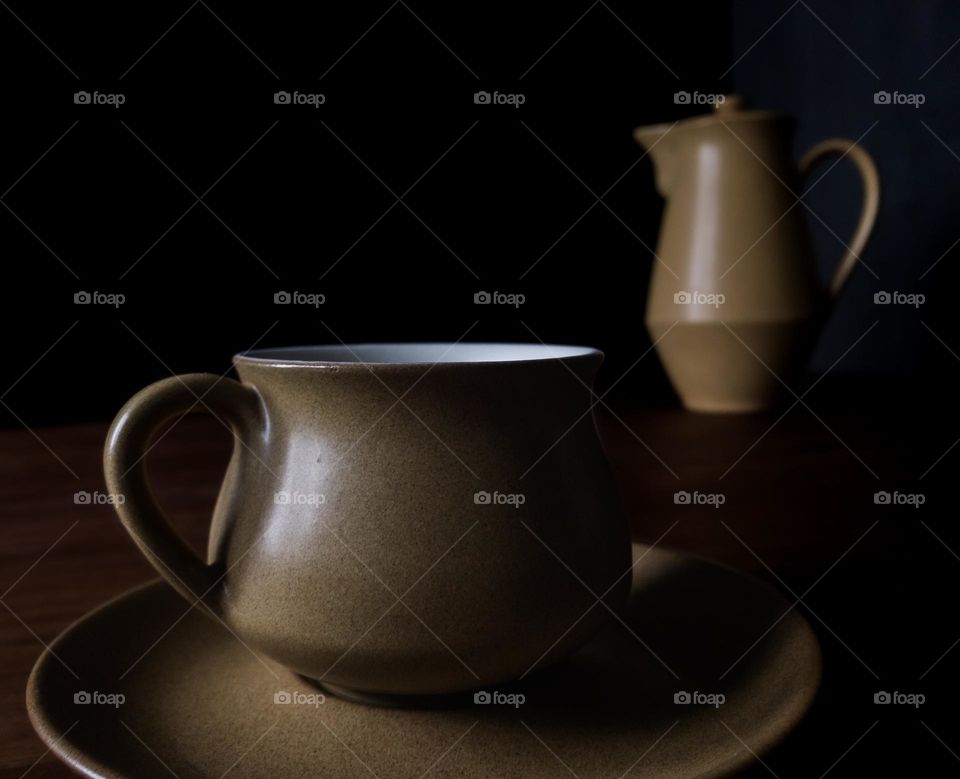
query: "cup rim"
400, 354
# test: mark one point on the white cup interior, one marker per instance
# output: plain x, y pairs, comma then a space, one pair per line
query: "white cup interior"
415, 353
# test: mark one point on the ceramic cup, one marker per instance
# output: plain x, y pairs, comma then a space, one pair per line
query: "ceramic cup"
396, 519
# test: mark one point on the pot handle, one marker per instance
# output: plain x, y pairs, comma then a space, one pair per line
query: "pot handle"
124, 465
871, 201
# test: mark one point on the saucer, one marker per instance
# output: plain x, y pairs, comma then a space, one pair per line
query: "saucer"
707, 669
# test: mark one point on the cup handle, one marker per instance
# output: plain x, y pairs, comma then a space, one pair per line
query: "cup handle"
871, 201
124, 464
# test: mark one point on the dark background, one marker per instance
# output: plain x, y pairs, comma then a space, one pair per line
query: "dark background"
824, 62
305, 199
103, 209
298, 210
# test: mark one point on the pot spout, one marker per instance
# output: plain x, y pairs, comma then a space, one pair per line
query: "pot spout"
656, 142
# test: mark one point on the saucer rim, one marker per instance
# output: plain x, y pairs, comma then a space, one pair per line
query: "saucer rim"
91, 767
88, 766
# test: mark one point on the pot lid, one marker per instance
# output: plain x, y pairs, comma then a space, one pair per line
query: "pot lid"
731, 108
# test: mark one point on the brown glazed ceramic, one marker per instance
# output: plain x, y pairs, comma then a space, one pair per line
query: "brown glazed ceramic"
196, 703
396, 519
735, 304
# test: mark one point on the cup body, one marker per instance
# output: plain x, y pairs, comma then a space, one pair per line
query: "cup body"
419, 519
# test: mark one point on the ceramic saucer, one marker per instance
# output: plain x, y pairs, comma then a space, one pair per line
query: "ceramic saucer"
163, 690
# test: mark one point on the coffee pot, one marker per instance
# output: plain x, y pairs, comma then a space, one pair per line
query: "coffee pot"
735, 303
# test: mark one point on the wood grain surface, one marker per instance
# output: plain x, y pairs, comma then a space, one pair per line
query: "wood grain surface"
798, 511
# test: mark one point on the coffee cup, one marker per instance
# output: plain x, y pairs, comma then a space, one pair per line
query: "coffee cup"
396, 519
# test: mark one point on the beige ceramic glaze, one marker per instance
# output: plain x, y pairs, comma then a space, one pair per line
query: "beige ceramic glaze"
198, 704
396, 520
735, 304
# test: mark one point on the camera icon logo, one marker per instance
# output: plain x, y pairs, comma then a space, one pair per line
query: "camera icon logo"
881, 298
482, 697
81, 98
282, 298
682, 298
282, 697
881, 697
682, 98
881, 498
82, 498
481, 98
682, 498
882, 98
82, 698
482, 498
482, 298
281, 98
682, 698
82, 298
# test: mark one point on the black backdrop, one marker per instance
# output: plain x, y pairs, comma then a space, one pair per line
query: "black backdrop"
826, 62
199, 198
304, 198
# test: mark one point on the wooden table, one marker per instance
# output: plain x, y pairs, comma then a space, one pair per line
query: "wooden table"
877, 582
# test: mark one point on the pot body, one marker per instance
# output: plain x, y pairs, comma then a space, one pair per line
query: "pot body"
735, 303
